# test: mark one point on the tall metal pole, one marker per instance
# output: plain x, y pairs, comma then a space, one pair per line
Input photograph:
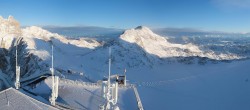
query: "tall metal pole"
52, 62
109, 63
108, 96
111, 93
17, 83
125, 77
16, 53
54, 93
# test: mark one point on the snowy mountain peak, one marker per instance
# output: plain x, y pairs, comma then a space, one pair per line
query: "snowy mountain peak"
159, 46
9, 26
142, 28
38, 32
140, 34
11, 18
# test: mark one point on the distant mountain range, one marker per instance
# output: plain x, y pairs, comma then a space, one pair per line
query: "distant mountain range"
132, 48
170, 68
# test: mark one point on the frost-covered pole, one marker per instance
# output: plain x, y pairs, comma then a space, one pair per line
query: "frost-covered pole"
56, 86
17, 83
111, 93
106, 84
52, 98
108, 92
16, 53
125, 79
115, 94
55, 80
52, 59
109, 63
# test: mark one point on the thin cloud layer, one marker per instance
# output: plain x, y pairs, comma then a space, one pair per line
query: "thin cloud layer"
232, 4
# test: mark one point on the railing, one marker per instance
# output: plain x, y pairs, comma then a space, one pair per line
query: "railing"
140, 107
79, 83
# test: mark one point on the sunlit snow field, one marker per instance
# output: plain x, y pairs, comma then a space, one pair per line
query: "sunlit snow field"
177, 86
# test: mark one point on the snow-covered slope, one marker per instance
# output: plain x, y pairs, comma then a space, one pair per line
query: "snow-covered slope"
34, 48
39, 41
134, 48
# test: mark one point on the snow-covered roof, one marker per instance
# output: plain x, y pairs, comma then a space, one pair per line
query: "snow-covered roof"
80, 95
88, 96
11, 99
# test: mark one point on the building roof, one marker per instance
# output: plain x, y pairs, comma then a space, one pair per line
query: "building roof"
12, 99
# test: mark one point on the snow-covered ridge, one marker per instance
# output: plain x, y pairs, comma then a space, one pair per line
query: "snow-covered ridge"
39, 33
142, 36
157, 45
34, 46
10, 29
38, 41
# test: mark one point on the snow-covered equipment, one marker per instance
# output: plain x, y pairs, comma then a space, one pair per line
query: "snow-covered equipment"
55, 82
17, 82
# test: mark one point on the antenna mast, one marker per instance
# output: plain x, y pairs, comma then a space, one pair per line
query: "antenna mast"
109, 63
16, 53
125, 77
109, 91
17, 83
55, 80
52, 60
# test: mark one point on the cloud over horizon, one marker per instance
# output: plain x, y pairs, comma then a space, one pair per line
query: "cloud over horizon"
235, 4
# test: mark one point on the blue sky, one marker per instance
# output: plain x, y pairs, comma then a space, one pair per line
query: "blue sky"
210, 15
